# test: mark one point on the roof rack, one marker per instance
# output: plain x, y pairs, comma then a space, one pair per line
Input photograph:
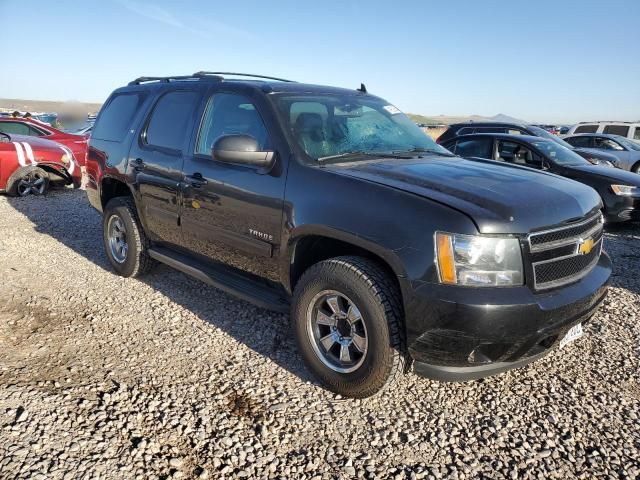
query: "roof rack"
213, 76
605, 121
250, 75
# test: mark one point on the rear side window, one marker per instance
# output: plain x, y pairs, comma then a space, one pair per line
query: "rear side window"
16, 128
586, 129
170, 118
584, 142
636, 135
116, 117
477, 147
622, 130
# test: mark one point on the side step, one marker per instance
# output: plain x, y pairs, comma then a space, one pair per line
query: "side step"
226, 279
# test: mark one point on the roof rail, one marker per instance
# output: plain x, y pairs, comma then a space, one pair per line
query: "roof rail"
250, 75
140, 80
606, 121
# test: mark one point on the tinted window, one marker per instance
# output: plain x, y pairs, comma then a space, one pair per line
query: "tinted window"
169, 120
622, 130
465, 131
36, 132
15, 128
477, 147
491, 130
515, 153
586, 129
636, 135
606, 144
116, 117
584, 142
228, 114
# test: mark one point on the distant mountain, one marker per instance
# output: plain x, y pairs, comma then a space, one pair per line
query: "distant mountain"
449, 119
501, 117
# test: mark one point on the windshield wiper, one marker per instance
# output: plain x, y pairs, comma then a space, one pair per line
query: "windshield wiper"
360, 153
426, 150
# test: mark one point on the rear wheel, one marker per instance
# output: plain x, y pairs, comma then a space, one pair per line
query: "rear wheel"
346, 313
125, 243
28, 181
636, 168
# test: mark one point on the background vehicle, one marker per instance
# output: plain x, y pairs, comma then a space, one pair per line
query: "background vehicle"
630, 130
627, 152
457, 129
619, 190
264, 189
23, 126
29, 164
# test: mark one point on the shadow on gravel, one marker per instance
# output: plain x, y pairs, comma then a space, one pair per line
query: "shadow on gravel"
622, 242
66, 216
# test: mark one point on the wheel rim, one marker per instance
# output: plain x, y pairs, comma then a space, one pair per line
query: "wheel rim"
117, 238
32, 183
337, 331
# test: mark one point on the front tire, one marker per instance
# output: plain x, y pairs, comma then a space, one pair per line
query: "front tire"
347, 317
125, 243
28, 181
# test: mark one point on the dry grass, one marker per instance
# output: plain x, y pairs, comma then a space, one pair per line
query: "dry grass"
434, 132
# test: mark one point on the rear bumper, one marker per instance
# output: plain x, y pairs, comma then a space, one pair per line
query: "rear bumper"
457, 334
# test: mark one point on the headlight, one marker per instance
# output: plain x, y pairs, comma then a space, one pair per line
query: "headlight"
478, 261
626, 190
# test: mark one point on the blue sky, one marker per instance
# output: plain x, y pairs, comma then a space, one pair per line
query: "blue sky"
559, 61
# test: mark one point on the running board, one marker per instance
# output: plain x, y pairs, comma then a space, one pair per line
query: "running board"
225, 279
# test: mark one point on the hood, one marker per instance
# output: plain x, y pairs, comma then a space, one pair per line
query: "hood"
36, 142
614, 175
592, 153
499, 198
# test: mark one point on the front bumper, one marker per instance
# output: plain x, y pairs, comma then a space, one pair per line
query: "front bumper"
457, 333
621, 209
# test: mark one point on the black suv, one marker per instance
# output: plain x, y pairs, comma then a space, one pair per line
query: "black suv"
331, 204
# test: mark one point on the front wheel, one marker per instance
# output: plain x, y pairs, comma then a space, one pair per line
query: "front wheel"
347, 318
28, 181
124, 240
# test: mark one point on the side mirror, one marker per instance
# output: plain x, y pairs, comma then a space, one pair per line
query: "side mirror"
242, 150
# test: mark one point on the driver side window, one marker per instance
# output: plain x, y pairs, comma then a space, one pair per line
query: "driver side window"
228, 114
519, 154
607, 144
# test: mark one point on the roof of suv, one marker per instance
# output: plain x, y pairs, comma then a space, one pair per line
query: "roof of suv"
489, 124
606, 135
504, 136
264, 83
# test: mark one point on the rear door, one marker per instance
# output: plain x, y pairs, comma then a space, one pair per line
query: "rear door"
157, 157
232, 214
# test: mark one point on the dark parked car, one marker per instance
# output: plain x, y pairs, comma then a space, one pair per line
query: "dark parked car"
619, 190
455, 130
333, 205
627, 152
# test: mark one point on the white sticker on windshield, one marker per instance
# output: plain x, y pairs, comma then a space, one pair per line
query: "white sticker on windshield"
392, 110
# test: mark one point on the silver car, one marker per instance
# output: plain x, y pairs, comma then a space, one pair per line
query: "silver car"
626, 151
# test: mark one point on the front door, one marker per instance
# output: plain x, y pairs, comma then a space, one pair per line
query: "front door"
232, 214
157, 158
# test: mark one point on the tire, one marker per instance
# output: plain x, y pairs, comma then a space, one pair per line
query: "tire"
28, 181
120, 225
355, 282
636, 168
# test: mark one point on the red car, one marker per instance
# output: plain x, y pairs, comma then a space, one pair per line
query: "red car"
29, 164
25, 126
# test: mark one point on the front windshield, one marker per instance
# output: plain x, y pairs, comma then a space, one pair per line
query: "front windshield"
559, 154
333, 125
628, 143
541, 132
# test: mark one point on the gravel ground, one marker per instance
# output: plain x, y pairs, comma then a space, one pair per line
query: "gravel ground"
164, 377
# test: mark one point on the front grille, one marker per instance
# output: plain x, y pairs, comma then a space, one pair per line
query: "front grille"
556, 255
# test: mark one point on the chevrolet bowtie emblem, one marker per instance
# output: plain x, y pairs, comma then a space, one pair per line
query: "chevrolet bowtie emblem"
585, 247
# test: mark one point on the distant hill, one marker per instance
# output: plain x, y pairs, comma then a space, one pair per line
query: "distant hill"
47, 105
449, 119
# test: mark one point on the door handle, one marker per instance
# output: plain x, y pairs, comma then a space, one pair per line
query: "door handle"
138, 164
196, 180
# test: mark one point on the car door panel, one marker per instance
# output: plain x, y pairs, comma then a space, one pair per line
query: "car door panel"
232, 214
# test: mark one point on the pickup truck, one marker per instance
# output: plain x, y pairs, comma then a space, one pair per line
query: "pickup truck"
388, 251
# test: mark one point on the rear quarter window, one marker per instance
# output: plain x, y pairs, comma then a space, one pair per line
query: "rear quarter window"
478, 147
586, 129
622, 130
170, 118
117, 116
